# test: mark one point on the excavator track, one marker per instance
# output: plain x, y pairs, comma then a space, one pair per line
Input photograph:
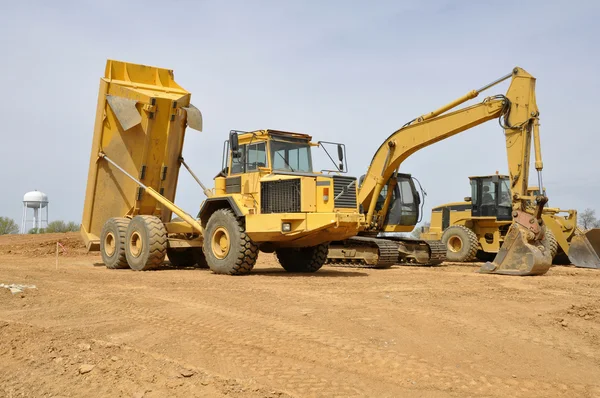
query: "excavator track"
358, 252
437, 252
355, 254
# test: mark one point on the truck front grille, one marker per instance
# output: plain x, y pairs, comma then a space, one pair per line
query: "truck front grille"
281, 196
344, 192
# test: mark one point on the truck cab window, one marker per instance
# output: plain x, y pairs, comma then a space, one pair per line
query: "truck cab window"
291, 156
237, 163
256, 156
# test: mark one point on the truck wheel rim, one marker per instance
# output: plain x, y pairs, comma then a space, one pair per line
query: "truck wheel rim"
109, 244
135, 244
220, 243
455, 244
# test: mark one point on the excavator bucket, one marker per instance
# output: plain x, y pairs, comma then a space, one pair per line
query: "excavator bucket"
518, 256
585, 249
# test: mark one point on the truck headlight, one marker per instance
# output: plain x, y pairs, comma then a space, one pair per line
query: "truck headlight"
286, 227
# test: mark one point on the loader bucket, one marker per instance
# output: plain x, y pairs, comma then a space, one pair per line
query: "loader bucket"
519, 257
585, 249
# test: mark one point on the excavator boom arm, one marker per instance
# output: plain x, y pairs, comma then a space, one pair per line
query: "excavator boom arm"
519, 110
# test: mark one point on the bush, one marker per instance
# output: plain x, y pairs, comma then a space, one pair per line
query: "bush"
61, 226
58, 226
8, 226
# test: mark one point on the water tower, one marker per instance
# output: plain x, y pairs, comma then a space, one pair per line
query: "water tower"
38, 201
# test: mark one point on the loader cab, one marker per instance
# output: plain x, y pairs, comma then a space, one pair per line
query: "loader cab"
491, 197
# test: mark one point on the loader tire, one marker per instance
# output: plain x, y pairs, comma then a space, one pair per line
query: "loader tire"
304, 259
551, 242
181, 258
461, 244
146, 243
113, 241
227, 248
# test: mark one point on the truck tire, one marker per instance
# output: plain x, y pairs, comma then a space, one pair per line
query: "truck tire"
146, 243
461, 244
200, 258
551, 242
304, 259
227, 248
113, 242
181, 258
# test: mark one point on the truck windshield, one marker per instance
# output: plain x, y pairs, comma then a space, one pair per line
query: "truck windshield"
291, 156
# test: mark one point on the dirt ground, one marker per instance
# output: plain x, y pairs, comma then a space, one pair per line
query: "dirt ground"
405, 331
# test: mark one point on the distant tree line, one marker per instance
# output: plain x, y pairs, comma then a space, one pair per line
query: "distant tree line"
587, 219
9, 226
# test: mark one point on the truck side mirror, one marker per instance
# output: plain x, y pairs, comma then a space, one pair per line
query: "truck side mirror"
234, 145
341, 157
468, 199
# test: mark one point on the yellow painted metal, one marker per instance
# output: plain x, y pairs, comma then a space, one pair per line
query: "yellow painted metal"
307, 229
147, 146
519, 109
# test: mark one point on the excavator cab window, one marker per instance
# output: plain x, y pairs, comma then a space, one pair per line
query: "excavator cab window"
404, 207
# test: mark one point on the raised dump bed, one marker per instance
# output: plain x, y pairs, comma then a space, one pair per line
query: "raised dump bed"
141, 119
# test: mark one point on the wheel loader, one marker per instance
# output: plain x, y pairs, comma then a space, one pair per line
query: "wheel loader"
476, 228
267, 197
390, 202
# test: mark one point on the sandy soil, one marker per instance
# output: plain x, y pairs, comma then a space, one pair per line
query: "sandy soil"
406, 331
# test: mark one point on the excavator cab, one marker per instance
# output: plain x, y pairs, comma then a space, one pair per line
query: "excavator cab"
405, 203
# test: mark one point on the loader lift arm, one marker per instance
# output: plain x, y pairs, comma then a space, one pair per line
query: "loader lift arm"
518, 115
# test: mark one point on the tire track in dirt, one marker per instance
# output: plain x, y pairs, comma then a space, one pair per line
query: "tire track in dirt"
329, 346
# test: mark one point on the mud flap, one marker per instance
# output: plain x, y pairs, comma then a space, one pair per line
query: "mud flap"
584, 249
518, 256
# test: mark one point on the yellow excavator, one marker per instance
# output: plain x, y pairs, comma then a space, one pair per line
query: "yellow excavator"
390, 202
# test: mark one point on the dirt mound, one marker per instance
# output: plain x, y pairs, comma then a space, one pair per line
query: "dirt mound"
42, 244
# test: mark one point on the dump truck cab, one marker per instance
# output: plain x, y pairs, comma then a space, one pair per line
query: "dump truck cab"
268, 178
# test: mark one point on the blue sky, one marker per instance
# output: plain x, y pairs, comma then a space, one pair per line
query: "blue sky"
350, 71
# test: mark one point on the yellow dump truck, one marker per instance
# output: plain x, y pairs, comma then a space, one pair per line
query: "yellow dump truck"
267, 197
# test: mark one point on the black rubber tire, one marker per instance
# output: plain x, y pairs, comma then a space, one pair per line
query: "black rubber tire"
551, 242
200, 259
242, 252
181, 258
304, 259
117, 228
469, 244
152, 237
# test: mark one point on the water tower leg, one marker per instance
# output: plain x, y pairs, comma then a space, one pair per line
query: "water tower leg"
23, 218
35, 218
